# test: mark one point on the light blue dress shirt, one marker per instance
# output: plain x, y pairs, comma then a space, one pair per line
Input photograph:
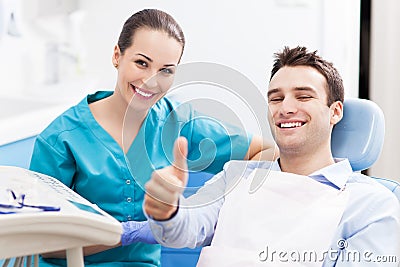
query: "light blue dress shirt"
75, 149
367, 235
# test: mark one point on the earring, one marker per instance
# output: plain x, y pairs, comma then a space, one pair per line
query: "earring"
116, 65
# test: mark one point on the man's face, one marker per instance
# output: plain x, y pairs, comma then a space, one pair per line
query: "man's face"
300, 120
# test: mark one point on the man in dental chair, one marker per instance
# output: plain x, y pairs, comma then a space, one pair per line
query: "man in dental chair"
304, 209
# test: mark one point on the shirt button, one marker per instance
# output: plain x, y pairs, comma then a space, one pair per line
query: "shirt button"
128, 181
129, 217
129, 199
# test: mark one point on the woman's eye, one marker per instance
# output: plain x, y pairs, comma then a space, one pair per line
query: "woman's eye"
168, 71
141, 63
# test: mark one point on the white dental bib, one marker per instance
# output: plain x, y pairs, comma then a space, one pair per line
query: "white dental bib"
289, 221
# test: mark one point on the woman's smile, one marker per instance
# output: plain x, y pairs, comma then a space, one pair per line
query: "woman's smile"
142, 93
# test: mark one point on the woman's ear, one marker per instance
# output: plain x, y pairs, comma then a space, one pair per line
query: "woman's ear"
336, 112
116, 56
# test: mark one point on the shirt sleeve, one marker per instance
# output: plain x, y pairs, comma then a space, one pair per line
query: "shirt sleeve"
213, 143
194, 223
47, 160
377, 243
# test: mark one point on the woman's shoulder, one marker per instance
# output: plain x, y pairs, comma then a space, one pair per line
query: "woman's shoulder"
69, 120
170, 109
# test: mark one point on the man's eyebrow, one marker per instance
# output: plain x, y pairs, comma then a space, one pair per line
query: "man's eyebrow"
305, 88
273, 91
301, 88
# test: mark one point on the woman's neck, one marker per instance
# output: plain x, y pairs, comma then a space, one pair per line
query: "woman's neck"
116, 118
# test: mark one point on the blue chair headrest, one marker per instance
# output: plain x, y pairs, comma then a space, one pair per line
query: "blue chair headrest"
359, 136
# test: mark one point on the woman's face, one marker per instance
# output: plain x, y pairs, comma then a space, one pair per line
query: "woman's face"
146, 69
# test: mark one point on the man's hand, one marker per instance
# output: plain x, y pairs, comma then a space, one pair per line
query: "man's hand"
166, 185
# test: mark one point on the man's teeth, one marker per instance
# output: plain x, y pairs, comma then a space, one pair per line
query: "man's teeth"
142, 93
290, 124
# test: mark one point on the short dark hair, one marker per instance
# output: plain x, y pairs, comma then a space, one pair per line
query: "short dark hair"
299, 56
153, 19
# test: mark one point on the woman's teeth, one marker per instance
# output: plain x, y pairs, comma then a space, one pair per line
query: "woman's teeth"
144, 94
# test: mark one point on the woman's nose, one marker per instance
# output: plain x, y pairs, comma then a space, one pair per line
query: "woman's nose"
151, 81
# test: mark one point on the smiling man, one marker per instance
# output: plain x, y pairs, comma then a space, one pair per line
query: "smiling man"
305, 99
304, 208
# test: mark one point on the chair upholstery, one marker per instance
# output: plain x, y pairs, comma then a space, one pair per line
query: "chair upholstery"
391, 185
359, 136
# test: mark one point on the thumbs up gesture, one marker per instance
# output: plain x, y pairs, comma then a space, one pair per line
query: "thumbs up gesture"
166, 185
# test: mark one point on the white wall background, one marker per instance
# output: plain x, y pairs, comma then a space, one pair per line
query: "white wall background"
385, 80
240, 34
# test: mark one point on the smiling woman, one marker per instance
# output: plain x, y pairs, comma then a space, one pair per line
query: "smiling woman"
107, 146
145, 73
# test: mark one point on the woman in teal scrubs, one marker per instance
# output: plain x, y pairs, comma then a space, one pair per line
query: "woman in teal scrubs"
106, 147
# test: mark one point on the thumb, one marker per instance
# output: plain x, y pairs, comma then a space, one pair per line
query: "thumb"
180, 159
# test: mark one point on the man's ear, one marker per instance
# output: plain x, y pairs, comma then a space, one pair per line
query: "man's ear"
336, 112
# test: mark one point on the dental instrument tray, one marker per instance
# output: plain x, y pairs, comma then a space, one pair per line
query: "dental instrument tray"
40, 214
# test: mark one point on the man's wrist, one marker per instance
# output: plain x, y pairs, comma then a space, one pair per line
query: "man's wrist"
166, 219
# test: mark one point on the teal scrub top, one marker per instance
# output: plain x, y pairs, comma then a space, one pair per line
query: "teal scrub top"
75, 149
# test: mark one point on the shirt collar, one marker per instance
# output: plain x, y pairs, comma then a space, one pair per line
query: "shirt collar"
337, 173
275, 166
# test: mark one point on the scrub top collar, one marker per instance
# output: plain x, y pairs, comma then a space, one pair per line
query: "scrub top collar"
87, 117
103, 136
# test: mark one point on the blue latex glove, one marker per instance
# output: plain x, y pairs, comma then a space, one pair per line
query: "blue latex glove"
133, 231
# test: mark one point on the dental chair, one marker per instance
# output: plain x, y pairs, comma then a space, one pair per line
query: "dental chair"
359, 136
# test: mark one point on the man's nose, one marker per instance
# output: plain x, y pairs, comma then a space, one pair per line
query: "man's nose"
289, 105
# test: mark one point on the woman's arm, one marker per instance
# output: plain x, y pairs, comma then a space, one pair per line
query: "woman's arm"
261, 149
132, 232
87, 251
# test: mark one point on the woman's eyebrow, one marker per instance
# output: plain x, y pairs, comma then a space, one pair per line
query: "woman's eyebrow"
149, 59
169, 65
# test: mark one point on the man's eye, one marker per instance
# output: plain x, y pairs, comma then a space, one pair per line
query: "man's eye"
275, 99
141, 63
304, 97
